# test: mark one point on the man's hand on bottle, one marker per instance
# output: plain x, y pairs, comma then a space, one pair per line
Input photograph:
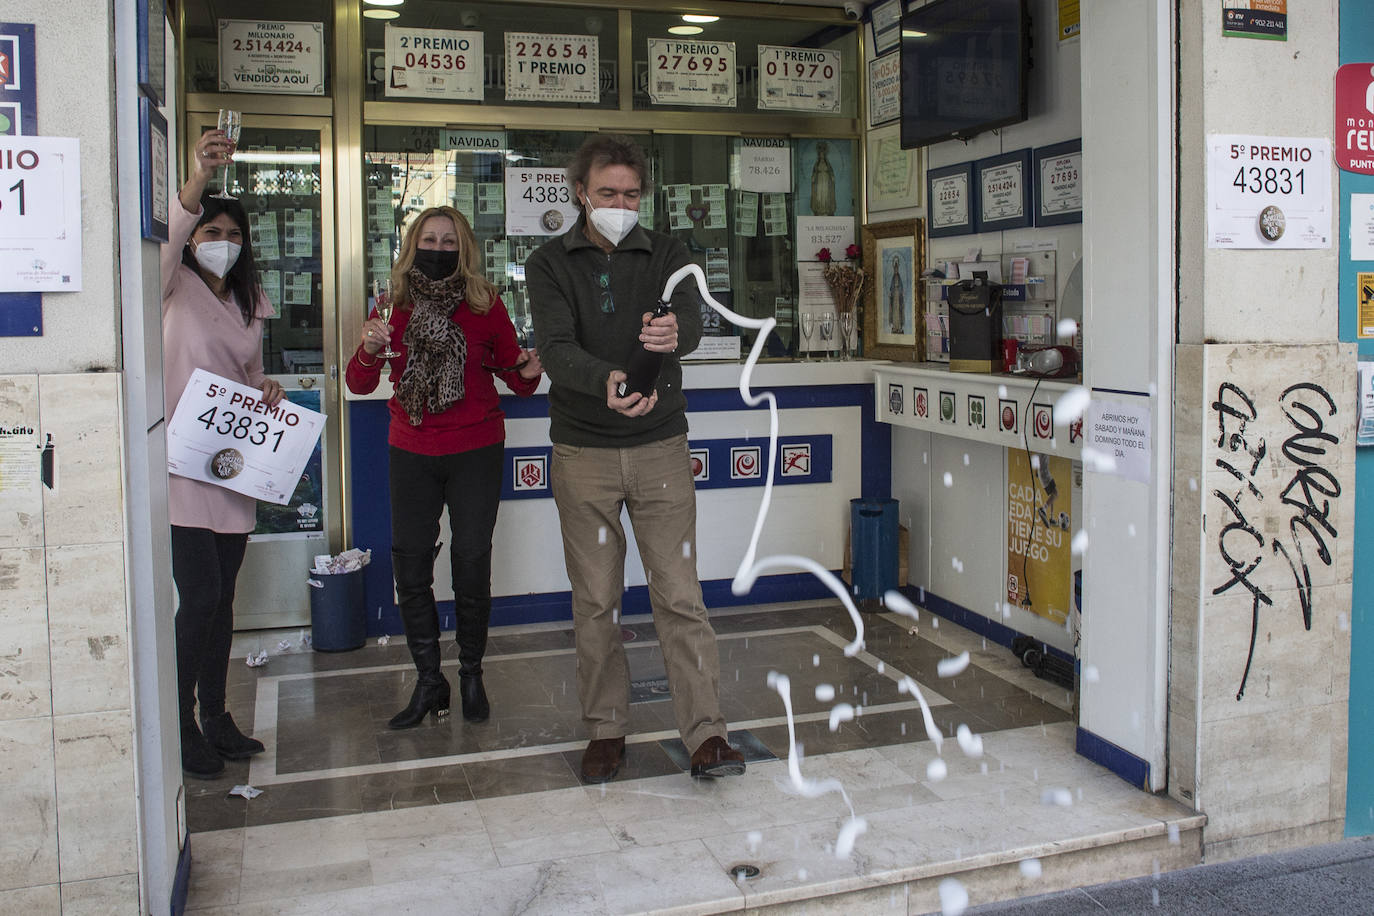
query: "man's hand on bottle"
659, 335
634, 404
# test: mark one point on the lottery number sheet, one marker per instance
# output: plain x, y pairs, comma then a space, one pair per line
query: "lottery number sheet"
223, 434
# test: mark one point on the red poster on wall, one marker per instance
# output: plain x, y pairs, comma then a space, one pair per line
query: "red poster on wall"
1354, 134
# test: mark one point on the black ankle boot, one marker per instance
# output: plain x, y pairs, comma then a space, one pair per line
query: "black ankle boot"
414, 578
475, 705
471, 617
198, 758
224, 736
426, 698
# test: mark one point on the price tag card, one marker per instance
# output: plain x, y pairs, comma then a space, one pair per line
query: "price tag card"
433, 64
276, 57
40, 214
692, 72
800, 79
1059, 183
1061, 178
775, 214
538, 202
1004, 191
552, 68
746, 213
224, 435
491, 197
765, 165
1268, 192
949, 192
817, 232
884, 89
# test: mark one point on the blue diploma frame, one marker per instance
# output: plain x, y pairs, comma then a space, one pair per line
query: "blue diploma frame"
152, 168
1057, 215
152, 49
962, 221
1021, 195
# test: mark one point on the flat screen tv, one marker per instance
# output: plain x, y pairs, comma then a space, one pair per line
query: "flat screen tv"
964, 68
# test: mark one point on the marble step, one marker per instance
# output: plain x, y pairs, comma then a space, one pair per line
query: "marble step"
990, 877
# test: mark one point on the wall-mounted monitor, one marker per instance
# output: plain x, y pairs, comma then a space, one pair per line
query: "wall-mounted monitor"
964, 68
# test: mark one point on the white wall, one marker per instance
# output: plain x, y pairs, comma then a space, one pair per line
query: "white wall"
1234, 296
1128, 313
81, 329
1054, 118
1266, 764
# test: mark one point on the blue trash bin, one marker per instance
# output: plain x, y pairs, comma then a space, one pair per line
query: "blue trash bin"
338, 612
873, 546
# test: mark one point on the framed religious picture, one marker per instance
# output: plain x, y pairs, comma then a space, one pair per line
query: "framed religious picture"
894, 297
1003, 191
949, 196
1059, 183
155, 188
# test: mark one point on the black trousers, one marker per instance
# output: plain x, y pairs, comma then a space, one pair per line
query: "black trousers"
205, 566
469, 484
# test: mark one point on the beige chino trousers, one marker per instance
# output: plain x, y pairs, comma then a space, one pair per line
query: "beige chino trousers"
654, 483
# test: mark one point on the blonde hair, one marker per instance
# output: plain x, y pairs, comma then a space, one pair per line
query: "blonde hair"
480, 292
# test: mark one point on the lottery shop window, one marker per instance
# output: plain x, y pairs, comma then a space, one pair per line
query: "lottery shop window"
687, 72
575, 56
743, 240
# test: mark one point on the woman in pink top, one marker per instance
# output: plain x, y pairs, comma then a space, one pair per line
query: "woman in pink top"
212, 314
447, 439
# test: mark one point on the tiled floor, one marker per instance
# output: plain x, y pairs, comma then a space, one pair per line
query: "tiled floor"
355, 817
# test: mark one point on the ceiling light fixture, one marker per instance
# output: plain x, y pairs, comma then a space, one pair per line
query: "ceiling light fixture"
692, 17
282, 158
381, 14
686, 30
383, 2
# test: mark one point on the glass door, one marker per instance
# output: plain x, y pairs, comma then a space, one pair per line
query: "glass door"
283, 175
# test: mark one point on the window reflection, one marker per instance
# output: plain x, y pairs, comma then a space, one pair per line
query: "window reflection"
743, 240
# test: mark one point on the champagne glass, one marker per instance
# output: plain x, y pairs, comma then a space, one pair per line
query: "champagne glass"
827, 329
847, 333
231, 122
808, 328
381, 297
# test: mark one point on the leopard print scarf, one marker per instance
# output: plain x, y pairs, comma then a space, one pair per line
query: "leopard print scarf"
435, 346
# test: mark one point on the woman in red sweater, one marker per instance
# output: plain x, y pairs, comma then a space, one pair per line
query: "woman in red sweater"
446, 442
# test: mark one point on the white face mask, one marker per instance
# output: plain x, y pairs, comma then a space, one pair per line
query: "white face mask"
217, 257
612, 222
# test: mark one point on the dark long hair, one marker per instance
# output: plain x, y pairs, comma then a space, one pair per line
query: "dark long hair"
243, 276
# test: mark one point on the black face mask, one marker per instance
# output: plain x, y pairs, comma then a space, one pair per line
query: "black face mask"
436, 264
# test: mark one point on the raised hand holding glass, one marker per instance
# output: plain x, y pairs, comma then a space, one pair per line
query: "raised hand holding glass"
231, 122
381, 296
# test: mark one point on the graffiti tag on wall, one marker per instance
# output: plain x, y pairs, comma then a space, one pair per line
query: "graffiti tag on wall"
1306, 496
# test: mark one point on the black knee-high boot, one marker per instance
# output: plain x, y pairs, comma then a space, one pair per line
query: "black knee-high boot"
414, 580
473, 615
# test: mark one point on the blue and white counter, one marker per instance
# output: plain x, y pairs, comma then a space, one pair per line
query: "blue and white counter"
952, 434
831, 449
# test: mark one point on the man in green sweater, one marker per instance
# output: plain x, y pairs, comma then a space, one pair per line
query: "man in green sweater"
591, 294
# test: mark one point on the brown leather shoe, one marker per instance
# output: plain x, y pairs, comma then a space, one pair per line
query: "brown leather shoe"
601, 759
716, 758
